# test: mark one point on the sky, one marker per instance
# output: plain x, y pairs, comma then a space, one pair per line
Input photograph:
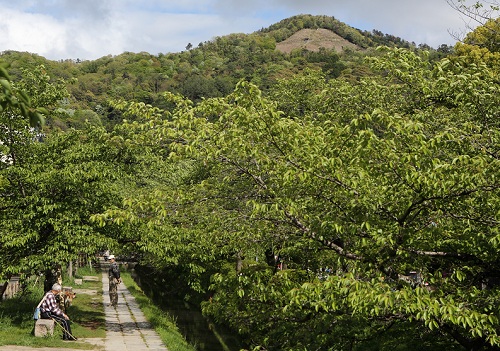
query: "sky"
90, 29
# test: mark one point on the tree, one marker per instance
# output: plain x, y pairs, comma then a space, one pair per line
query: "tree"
475, 13
373, 200
14, 101
49, 189
47, 201
478, 11
390, 183
487, 35
481, 46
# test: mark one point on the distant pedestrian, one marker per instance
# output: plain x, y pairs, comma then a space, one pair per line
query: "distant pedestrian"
49, 309
114, 280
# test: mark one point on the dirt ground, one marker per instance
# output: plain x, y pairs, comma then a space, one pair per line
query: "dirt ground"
313, 39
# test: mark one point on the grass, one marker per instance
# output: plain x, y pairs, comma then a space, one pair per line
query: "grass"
87, 314
163, 323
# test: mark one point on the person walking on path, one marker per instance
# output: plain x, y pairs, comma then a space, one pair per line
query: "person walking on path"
49, 309
114, 280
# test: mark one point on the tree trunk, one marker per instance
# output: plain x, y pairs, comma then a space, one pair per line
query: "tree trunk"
70, 269
3, 288
239, 262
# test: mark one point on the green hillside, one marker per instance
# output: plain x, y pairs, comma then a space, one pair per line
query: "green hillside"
209, 69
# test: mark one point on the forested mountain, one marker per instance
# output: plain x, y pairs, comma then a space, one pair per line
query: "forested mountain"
210, 69
310, 200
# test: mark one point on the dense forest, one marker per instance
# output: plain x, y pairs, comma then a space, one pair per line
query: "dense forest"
311, 200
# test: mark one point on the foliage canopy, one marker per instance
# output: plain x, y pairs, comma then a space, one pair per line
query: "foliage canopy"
320, 211
381, 197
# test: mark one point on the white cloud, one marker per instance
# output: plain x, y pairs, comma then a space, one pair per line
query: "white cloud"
168, 32
30, 32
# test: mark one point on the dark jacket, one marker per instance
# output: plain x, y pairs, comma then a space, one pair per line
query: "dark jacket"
114, 271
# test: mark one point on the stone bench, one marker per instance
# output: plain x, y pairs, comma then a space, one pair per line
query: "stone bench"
90, 278
44, 327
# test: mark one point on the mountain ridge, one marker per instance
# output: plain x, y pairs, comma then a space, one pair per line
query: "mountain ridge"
211, 69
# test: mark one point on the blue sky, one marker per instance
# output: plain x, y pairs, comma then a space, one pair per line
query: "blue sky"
89, 29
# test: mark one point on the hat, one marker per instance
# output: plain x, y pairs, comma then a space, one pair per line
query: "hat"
56, 287
111, 257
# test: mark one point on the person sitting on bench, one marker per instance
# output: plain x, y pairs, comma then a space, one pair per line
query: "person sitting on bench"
50, 310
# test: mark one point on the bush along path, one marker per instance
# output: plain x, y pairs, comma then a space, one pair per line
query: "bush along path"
126, 325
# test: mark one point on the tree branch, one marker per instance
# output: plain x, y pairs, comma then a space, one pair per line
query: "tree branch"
330, 244
295, 221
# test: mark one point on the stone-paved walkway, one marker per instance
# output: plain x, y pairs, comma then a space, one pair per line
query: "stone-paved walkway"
126, 325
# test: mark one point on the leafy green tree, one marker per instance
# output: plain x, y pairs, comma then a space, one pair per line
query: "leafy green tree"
15, 103
372, 201
486, 36
475, 12
390, 183
196, 87
481, 45
49, 189
47, 201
